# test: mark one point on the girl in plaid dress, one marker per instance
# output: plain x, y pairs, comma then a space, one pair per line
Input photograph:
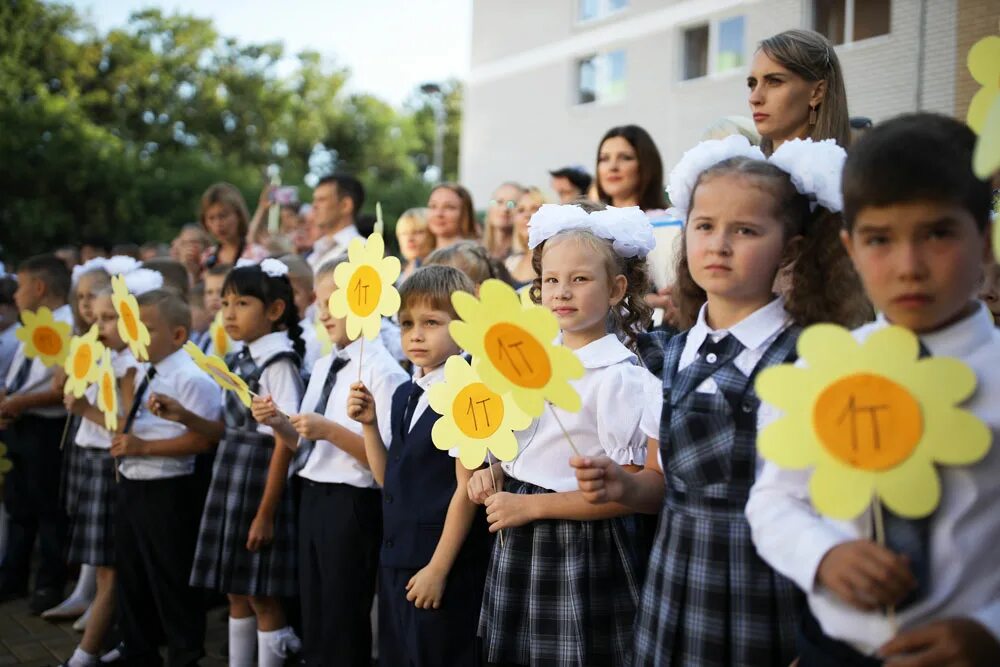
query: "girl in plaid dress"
709, 600
563, 583
246, 540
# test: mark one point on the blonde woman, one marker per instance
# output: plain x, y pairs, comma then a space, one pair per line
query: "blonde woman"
498, 237
519, 263
223, 213
415, 240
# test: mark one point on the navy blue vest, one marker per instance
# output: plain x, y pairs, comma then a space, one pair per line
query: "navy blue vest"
419, 485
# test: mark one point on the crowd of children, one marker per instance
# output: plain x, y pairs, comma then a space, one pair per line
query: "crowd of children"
644, 529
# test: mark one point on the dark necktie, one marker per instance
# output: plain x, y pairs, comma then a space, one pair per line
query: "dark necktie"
714, 353
331, 380
137, 400
21, 376
411, 407
244, 364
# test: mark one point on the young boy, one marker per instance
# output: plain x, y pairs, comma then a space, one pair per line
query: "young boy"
213, 280
32, 418
435, 540
340, 508
918, 230
159, 499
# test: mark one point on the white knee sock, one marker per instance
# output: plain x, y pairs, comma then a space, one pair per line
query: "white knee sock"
81, 658
242, 633
274, 646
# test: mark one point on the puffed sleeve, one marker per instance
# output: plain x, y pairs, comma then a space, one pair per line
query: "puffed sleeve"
630, 403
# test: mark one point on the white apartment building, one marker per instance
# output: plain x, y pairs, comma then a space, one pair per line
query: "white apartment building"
549, 77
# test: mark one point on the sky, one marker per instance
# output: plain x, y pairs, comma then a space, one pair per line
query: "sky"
429, 40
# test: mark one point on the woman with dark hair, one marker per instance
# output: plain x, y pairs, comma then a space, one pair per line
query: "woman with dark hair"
223, 213
451, 216
629, 169
797, 90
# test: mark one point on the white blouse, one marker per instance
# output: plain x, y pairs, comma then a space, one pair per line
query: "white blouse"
95, 435
281, 381
621, 409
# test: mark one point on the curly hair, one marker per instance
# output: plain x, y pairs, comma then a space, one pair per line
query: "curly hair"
632, 315
815, 274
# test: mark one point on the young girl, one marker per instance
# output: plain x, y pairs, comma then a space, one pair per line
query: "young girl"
246, 542
708, 598
563, 584
92, 514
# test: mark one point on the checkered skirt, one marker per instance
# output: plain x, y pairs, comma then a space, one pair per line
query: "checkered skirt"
561, 592
708, 599
72, 473
92, 515
222, 561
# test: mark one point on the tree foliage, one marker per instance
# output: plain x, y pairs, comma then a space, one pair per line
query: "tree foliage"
116, 134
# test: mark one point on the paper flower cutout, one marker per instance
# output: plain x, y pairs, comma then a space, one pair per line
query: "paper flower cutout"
43, 336
365, 290
107, 392
218, 371
984, 110
130, 327
473, 417
870, 418
81, 362
221, 343
511, 345
5, 463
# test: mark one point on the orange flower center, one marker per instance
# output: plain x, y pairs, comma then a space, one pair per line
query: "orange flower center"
364, 291
81, 361
518, 356
131, 325
47, 341
478, 411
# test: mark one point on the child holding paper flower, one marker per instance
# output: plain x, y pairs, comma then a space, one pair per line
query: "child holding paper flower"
918, 231
246, 542
708, 598
563, 585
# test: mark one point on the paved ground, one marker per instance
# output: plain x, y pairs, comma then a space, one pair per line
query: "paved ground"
28, 640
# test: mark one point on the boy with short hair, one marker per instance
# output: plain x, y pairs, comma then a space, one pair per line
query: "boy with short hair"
918, 231
32, 419
159, 497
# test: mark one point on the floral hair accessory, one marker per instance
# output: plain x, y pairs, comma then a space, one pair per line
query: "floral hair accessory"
628, 229
274, 268
90, 265
121, 264
816, 168
141, 281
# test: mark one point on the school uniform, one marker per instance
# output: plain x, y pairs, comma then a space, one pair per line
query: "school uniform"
340, 511
419, 485
156, 522
92, 515
222, 562
960, 577
562, 592
31, 488
708, 598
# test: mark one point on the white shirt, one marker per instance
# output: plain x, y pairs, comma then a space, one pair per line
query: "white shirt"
39, 377
314, 348
95, 435
331, 246
621, 409
8, 347
964, 579
328, 463
281, 380
178, 377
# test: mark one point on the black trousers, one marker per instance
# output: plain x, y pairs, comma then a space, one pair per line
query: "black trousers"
155, 533
340, 532
31, 496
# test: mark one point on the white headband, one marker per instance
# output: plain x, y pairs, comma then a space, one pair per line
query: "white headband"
628, 229
814, 167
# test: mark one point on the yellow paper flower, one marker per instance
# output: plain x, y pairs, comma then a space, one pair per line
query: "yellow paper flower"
218, 371
473, 418
221, 344
107, 392
43, 336
984, 110
81, 362
870, 418
130, 326
323, 337
365, 291
5, 463
512, 349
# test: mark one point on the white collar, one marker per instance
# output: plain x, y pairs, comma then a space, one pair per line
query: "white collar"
172, 362
269, 345
605, 351
959, 339
752, 331
425, 380
353, 349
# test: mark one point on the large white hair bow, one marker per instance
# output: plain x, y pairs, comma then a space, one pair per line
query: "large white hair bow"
628, 229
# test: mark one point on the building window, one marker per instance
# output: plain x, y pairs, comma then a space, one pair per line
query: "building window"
714, 47
846, 21
601, 78
590, 10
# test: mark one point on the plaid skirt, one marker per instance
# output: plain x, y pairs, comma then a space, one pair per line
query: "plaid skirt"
73, 472
92, 516
709, 600
221, 559
561, 592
